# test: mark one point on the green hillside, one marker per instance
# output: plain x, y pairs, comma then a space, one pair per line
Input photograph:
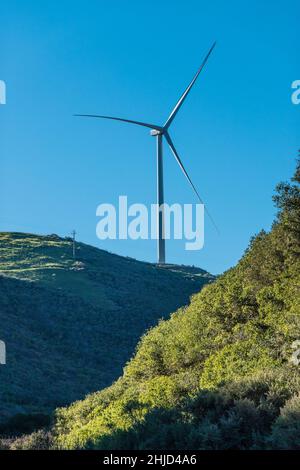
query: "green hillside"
218, 374
70, 326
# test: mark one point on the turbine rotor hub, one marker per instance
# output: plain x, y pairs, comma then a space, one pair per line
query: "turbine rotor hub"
155, 132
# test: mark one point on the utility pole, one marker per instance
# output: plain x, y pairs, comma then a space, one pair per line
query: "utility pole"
74, 243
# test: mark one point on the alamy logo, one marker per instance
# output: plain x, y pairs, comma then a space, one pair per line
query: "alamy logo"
295, 359
296, 93
2, 92
2, 353
180, 222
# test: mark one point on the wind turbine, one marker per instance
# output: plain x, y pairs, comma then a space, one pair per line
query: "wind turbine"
159, 132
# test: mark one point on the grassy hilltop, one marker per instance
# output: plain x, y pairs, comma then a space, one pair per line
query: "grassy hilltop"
70, 326
218, 374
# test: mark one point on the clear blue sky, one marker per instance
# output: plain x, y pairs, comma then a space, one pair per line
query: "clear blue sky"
237, 133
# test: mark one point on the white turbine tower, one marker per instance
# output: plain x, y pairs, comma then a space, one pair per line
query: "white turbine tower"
159, 132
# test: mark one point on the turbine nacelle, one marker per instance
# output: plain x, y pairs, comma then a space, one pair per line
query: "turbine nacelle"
156, 132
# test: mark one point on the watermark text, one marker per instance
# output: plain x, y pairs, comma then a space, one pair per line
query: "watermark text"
296, 93
2, 92
135, 221
2, 352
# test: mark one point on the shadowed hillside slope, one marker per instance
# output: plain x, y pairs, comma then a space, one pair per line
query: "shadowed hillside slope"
69, 326
220, 373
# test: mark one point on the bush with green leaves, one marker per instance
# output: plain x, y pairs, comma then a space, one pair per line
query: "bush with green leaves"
217, 374
286, 429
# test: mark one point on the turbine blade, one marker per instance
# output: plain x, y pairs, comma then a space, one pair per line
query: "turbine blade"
145, 124
184, 95
177, 158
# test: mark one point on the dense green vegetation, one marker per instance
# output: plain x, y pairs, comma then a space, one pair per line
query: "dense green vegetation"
217, 374
69, 326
